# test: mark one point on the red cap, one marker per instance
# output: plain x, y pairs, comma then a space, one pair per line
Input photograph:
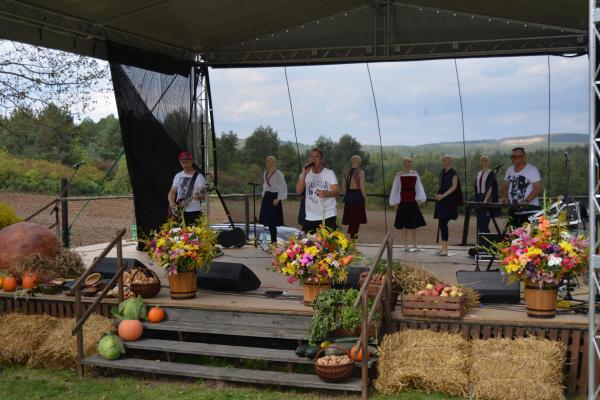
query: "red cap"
185, 155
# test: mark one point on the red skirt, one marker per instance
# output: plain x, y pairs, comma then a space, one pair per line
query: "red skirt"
354, 214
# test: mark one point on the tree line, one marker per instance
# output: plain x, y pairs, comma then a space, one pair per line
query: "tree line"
53, 136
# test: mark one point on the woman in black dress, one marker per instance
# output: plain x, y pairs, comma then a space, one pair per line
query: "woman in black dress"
274, 192
449, 197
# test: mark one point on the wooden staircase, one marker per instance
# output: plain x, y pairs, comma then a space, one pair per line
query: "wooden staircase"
178, 345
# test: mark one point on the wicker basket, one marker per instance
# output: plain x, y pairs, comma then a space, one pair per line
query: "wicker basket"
334, 373
146, 290
374, 289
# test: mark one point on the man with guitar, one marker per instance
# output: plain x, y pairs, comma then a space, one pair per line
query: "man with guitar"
187, 191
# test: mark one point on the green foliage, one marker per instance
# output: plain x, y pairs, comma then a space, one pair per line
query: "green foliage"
120, 183
334, 309
8, 216
263, 142
24, 175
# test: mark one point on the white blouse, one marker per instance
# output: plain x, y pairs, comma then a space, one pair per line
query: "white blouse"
275, 184
420, 195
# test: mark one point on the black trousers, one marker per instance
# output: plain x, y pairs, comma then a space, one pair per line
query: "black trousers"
483, 216
444, 229
191, 217
311, 226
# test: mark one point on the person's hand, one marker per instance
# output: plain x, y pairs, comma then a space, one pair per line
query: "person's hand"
504, 200
438, 197
322, 193
172, 204
275, 202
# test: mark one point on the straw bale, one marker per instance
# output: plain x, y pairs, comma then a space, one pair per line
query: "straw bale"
412, 277
59, 350
66, 264
423, 360
524, 368
22, 335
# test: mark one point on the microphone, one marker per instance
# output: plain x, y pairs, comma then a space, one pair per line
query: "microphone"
310, 164
79, 164
567, 156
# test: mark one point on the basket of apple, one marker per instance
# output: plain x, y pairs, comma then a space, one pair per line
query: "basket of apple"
441, 300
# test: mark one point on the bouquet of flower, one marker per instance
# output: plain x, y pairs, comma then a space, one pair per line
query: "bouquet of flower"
543, 254
178, 247
318, 258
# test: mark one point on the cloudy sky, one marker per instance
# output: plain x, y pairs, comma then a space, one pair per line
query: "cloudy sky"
418, 101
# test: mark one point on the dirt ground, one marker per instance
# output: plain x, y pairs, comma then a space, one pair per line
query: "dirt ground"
103, 218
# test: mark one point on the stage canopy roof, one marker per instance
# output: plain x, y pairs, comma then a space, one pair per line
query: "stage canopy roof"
289, 32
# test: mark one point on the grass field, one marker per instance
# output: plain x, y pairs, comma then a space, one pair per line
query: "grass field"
17, 383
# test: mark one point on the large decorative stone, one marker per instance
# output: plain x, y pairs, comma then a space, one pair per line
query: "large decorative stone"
19, 241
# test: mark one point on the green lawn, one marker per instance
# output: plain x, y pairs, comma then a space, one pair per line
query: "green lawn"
17, 383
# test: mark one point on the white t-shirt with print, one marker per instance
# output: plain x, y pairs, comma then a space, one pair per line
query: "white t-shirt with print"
182, 183
520, 184
314, 204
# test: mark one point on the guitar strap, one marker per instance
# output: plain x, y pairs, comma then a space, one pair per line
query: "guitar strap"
190, 189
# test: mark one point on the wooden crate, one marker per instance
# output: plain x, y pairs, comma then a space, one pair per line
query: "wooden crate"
433, 306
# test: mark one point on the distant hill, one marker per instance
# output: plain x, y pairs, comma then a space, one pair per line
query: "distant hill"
535, 142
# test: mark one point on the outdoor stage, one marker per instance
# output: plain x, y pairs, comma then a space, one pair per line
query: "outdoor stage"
488, 321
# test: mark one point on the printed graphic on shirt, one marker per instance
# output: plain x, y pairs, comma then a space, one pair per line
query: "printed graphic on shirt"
182, 187
313, 185
518, 185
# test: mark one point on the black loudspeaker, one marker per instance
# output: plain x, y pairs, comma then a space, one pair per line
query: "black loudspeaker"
353, 281
108, 266
491, 286
231, 277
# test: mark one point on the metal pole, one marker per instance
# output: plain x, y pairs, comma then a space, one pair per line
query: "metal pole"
592, 203
388, 288
64, 206
364, 338
247, 216
119, 266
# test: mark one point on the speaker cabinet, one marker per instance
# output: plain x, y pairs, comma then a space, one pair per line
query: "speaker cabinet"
231, 277
492, 287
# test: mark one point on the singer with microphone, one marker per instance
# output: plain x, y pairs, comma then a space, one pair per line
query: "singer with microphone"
322, 190
486, 191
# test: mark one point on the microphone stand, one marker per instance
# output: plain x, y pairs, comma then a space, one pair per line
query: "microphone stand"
567, 173
64, 191
254, 185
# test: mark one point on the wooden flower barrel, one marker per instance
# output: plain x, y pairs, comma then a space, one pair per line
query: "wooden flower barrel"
183, 285
311, 291
541, 302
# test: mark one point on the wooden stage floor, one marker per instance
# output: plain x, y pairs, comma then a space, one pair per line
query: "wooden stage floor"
291, 302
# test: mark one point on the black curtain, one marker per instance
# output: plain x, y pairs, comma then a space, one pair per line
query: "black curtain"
155, 106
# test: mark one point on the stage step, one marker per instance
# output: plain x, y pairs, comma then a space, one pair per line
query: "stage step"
230, 330
225, 351
227, 374
218, 350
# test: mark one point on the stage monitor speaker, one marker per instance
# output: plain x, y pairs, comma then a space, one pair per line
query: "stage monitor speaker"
227, 276
491, 286
353, 281
107, 267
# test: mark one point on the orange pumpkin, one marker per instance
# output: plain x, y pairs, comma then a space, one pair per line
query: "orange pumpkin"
28, 274
357, 354
156, 314
28, 281
130, 330
9, 284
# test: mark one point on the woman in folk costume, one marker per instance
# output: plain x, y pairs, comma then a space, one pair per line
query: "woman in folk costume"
355, 198
407, 192
449, 197
273, 193
486, 191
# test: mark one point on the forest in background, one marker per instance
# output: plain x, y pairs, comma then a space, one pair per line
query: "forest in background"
38, 147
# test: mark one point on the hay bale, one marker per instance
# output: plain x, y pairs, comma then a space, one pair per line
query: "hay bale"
22, 335
412, 277
59, 350
66, 264
524, 368
423, 360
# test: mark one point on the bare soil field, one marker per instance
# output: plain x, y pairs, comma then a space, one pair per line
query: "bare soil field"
101, 219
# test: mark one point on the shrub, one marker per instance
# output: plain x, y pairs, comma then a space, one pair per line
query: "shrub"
7, 216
